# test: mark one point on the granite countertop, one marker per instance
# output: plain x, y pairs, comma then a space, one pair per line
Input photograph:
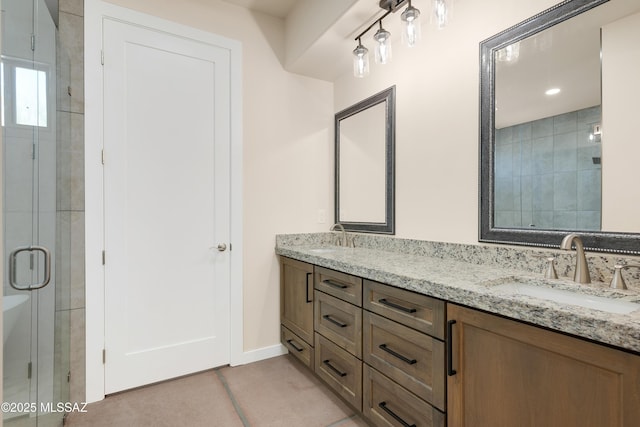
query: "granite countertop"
474, 286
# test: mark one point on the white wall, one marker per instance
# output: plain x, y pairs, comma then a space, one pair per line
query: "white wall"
620, 83
288, 148
288, 133
437, 105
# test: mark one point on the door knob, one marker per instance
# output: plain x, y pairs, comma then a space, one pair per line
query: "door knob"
222, 247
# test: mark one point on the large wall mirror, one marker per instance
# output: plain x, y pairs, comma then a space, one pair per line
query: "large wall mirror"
364, 164
560, 148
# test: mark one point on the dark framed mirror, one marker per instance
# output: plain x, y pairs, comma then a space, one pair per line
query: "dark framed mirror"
365, 163
557, 151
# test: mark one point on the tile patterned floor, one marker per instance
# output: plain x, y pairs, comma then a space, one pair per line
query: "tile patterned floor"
278, 392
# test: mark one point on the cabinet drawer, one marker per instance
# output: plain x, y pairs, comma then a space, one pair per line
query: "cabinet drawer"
412, 359
385, 403
297, 347
340, 370
416, 311
339, 321
340, 285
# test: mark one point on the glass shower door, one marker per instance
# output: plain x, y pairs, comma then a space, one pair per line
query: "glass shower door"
32, 330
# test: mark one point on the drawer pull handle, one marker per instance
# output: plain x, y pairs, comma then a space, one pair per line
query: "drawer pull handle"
334, 321
450, 371
398, 355
295, 347
335, 284
383, 406
334, 369
384, 301
307, 298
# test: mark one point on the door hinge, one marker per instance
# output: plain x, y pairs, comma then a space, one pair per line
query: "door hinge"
104, 356
230, 247
102, 157
33, 42
31, 261
33, 151
29, 369
103, 257
68, 376
102, 57
69, 90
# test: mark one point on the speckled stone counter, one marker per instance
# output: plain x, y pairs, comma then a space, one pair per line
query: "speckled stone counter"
468, 275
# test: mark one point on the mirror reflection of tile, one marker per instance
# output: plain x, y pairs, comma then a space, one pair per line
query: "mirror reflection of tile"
548, 172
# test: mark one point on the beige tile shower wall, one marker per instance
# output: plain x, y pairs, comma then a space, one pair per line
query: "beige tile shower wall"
70, 191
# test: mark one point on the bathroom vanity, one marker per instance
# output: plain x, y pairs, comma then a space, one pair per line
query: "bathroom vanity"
408, 339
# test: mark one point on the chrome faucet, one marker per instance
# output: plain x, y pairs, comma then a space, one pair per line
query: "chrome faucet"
343, 239
581, 274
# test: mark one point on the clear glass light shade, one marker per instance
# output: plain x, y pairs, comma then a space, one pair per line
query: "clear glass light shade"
442, 10
360, 61
383, 48
411, 31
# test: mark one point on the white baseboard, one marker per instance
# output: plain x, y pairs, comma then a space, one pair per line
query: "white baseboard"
259, 354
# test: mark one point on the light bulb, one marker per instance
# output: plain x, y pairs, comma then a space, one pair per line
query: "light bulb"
360, 60
383, 49
411, 30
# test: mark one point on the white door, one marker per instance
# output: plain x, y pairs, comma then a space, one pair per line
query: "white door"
166, 190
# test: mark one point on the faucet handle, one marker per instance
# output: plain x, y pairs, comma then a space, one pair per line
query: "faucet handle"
550, 270
617, 281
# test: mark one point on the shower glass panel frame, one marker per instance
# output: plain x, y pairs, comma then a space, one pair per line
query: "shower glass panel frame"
36, 338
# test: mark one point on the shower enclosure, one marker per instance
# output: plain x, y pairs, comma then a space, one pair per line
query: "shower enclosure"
35, 286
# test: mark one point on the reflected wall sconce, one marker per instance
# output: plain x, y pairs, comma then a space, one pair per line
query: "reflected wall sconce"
509, 53
411, 32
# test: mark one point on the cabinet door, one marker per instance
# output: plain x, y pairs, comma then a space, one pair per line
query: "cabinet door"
296, 298
512, 374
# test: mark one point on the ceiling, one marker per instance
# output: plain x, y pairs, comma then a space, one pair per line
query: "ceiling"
566, 56
316, 29
277, 8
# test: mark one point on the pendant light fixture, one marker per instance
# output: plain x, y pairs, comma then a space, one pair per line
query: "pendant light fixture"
383, 49
411, 31
360, 60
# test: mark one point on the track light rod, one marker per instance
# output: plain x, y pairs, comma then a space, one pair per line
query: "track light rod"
373, 24
388, 5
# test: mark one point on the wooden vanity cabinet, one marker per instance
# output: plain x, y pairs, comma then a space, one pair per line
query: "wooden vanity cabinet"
338, 333
404, 357
296, 309
383, 349
506, 373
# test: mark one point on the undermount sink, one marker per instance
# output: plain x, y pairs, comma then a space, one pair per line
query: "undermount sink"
610, 304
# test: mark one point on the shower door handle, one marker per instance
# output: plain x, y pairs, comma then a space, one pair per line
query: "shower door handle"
47, 267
